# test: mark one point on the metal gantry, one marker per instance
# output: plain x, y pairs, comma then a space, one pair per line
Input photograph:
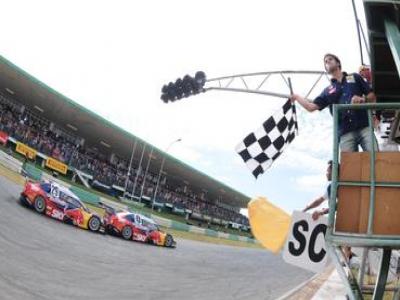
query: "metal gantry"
240, 83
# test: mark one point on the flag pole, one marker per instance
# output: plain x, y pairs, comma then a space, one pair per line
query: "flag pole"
290, 86
293, 104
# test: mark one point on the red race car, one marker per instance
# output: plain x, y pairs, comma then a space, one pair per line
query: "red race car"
59, 203
137, 227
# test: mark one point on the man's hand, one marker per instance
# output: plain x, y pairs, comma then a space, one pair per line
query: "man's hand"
357, 100
309, 106
316, 214
294, 97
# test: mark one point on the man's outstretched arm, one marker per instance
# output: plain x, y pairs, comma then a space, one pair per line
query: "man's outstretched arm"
308, 105
317, 202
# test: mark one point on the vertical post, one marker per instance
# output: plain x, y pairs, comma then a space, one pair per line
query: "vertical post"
130, 167
358, 31
382, 274
158, 182
335, 172
145, 174
139, 170
372, 177
371, 213
290, 86
160, 172
393, 37
293, 104
361, 272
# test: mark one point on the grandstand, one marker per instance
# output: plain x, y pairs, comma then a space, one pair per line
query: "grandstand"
59, 135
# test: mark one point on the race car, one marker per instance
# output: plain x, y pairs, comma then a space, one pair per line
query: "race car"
60, 203
137, 227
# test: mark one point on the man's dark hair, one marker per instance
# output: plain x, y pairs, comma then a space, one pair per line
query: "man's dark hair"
335, 58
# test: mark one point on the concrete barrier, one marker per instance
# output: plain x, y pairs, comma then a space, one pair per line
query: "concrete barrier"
210, 232
180, 226
10, 162
223, 235
162, 221
198, 230
114, 204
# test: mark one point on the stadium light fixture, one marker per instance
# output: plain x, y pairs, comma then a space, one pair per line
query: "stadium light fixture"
162, 171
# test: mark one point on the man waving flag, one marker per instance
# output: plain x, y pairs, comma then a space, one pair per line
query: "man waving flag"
262, 147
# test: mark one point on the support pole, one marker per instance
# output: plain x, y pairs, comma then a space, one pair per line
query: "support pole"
382, 275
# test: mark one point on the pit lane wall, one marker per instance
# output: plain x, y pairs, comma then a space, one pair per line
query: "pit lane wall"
35, 173
10, 162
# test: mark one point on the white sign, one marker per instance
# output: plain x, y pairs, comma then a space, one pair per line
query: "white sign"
305, 245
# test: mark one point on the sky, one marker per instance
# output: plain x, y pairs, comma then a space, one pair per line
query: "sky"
113, 57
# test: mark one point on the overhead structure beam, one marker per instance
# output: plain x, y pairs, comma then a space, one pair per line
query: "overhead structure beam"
393, 37
225, 83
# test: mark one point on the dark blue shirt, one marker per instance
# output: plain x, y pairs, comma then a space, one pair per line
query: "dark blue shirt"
341, 93
327, 194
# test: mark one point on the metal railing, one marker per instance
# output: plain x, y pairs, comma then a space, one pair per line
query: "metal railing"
336, 239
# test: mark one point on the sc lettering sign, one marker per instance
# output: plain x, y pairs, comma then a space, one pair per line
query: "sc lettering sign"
305, 245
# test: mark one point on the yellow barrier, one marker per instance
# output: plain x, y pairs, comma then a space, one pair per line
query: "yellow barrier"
56, 165
26, 150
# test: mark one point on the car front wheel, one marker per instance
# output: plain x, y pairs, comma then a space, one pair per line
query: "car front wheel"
126, 232
94, 224
169, 240
40, 204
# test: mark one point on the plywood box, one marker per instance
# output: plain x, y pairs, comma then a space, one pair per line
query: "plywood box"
353, 202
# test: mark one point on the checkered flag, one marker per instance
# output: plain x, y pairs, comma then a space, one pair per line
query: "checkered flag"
260, 148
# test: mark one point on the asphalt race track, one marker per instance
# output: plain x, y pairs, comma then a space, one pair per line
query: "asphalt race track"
41, 258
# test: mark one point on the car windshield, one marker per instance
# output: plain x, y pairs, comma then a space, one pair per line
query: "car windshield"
72, 202
46, 187
149, 225
130, 217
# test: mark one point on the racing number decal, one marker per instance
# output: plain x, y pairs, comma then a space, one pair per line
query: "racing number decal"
137, 219
139, 237
55, 192
56, 214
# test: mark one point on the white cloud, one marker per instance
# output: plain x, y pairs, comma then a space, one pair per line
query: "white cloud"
311, 183
302, 161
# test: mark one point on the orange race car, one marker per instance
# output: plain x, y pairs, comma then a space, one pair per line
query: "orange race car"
137, 227
59, 203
